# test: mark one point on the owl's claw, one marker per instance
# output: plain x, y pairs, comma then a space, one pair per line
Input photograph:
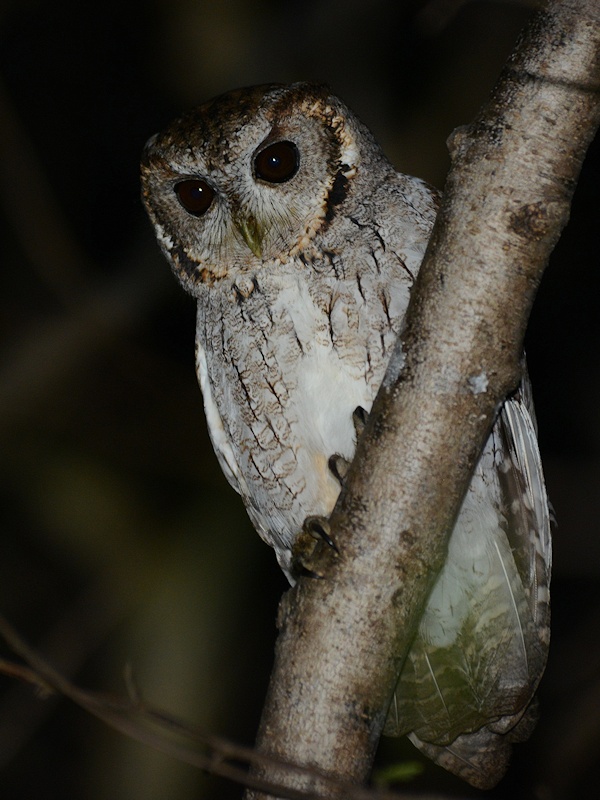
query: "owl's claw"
338, 466
359, 418
318, 528
308, 558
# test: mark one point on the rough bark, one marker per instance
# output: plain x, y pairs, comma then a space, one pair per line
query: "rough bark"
343, 638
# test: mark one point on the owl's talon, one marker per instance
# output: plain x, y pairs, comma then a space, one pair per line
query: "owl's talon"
338, 466
302, 569
359, 418
318, 528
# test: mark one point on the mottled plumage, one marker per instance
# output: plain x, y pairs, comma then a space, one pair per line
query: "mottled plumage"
281, 215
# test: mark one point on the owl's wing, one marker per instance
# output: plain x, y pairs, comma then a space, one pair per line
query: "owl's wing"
483, 640
227, 461
528, 515
218, 436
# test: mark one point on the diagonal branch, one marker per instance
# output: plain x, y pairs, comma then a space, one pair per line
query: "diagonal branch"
344, 638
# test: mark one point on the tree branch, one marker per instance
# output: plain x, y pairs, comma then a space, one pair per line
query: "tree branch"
343, 639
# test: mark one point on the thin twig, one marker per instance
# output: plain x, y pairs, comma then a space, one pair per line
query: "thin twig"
165, 733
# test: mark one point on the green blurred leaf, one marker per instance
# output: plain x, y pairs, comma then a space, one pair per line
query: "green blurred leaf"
401, 772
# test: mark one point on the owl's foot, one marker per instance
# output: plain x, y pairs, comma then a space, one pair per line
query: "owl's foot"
308, 555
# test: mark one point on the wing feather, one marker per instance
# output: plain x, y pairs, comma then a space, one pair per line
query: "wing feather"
481, 649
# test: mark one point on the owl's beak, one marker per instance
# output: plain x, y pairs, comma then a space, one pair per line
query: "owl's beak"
251, 232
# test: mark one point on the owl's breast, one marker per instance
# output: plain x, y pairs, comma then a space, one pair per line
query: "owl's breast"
285, 366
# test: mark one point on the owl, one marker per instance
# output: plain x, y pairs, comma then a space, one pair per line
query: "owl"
280, 214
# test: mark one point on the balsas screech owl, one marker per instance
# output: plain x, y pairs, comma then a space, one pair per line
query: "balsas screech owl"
280, 214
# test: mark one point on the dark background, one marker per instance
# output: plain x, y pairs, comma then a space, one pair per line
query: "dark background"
120, 541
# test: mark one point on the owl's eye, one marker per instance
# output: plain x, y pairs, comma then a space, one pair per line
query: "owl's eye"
277, 163
195, 196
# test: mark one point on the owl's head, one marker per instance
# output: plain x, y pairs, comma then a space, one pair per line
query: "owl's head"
250, 177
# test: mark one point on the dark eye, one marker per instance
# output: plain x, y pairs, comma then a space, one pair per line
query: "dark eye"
195, 196
277, 163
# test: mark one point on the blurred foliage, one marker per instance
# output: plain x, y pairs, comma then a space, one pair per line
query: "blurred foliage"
120, 539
